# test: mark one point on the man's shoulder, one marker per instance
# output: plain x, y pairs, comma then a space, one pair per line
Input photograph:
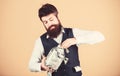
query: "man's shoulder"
43, 35
68, 29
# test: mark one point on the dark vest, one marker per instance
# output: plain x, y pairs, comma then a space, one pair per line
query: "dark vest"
65, 69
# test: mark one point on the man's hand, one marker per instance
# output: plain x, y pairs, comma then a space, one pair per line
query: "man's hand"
68, 42
44, 67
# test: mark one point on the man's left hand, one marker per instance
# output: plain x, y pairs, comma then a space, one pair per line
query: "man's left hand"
68, 42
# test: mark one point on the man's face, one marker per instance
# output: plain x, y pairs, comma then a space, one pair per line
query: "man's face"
49, 20
52, 25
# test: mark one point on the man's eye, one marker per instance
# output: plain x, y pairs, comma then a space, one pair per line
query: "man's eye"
51, 19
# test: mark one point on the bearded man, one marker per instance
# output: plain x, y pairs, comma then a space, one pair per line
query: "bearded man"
68, 38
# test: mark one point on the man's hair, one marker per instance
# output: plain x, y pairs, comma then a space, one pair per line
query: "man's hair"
47, 9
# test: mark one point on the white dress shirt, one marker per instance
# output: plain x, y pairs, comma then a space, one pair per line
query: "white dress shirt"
82, 37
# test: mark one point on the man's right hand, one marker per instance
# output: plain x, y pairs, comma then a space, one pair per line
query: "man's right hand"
43, 66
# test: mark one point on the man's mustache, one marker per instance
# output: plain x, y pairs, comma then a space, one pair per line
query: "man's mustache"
54, 25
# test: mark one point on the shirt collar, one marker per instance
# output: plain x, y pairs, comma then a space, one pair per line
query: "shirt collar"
62, 31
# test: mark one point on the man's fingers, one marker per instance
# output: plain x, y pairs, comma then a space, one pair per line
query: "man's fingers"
51, 70
68, 42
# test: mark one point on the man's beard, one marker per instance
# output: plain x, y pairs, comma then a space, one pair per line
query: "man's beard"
54, 30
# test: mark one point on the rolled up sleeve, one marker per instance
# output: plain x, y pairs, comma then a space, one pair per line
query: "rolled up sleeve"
34, 63
87, 37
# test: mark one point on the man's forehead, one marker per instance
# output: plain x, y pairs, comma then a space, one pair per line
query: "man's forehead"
44, 18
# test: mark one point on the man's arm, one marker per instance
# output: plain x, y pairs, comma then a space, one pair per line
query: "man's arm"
87, 37
83, 37
35, 60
